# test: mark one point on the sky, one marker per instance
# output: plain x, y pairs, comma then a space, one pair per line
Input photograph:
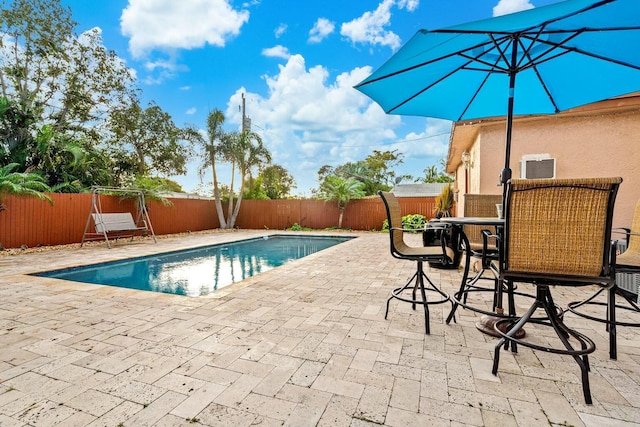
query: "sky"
295, 61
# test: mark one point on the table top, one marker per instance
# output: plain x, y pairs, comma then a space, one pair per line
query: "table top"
472, 220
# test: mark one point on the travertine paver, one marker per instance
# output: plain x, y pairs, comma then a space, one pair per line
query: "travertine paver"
305, 344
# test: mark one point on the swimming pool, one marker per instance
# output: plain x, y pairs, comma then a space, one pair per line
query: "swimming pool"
199, 271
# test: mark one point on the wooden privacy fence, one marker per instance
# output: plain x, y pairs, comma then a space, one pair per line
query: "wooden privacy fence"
33, 222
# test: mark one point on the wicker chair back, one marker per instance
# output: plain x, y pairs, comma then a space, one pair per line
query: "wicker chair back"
559, 226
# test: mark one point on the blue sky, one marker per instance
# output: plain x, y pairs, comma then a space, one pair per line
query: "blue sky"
296, 61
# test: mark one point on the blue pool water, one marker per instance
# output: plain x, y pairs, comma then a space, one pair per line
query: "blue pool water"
199, 271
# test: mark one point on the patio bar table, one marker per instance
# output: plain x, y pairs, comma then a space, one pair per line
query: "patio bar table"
486, 323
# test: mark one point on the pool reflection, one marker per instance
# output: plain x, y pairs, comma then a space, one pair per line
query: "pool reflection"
200, 271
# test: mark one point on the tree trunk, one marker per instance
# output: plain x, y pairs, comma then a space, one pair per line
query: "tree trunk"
230, 209
234, 216
232, 220
216, 192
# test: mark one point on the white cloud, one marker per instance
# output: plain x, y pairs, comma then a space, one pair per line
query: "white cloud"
370, 27
191, 111
309, 119
161, 70
185, 88
167, 24
410, 5
432, 142
505, 7
321, 29
282, 28
277, 51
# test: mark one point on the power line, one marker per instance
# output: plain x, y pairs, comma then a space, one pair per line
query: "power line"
368, 145
398, 142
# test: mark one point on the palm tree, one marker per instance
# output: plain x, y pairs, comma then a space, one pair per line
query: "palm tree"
245, 151
28, 184
215, 136
341, 190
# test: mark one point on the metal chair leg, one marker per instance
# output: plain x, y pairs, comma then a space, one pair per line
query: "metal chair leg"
553, 318
417, 281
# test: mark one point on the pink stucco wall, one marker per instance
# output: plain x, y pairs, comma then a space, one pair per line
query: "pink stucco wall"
594, 145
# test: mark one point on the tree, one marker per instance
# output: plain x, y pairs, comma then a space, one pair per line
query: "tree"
430, 174
68, 165
54, 77
253, 190
360, 171
153, 188
246, 152
342, 191
375, 172
433, 174
155, 144
16, 140
215, 135
21, 184
276, 182
381, 164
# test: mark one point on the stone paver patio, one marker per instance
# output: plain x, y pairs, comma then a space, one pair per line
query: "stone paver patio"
305, 344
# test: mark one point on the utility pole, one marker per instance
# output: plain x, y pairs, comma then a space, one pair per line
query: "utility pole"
246, 121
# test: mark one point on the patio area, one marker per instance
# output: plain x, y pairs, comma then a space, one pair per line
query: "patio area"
305, 344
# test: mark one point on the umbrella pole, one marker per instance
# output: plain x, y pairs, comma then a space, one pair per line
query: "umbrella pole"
505, 175
487, 323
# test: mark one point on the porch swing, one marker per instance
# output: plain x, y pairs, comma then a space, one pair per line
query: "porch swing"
116, 225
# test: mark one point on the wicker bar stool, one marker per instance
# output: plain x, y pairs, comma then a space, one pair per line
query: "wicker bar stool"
419, 254
544, 217
627, 262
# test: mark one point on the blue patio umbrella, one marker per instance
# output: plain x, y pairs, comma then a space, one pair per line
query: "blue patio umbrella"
540, 61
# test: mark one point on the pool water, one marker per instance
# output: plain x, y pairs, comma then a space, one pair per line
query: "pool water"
199, 271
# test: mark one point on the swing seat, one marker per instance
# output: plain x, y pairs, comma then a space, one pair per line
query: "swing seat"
116, 224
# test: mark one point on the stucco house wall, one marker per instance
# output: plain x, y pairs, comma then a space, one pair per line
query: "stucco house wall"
599, 140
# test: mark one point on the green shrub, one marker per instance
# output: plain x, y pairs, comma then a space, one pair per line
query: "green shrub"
414, 221
444, 202
298, 227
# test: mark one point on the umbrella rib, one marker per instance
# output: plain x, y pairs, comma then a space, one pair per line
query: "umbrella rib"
422, 64
534, 65
565, 50
493, 67
533, 62
421, 91
473, 97
500, 50
605, 58
464, 66
532, 41
546, 89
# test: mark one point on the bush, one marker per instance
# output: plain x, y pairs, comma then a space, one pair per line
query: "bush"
298, 227
444, 202
414, 221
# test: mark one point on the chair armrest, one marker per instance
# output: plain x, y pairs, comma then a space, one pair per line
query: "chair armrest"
437, 226
626, 231
621, 230
427, 226
486, 235
407, 230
